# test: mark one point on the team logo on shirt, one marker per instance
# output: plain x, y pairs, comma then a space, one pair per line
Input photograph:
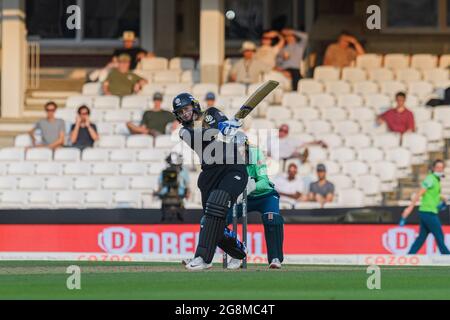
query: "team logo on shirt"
209, 119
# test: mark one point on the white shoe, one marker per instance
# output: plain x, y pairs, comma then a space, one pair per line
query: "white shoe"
234, 264
186, 261
275, 264
198, 264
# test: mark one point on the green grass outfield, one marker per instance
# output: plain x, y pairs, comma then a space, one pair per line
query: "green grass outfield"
103, 280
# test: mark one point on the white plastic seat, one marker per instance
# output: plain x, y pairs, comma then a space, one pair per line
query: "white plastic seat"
371, 186
365, 87
317, 154
150, 155
69, 199
92, 154
3, 167
178, 63
402, 158
351, 198
377, 101
156, 168
310, 86
165, 141
333, 167
41, 199
349, 100
396, 61
31, 183
106, 102
294, 100
104, 169
121, 155
434, 132
39, 154
135, 102
421, 89
20, 169
139, 141
341, 181
332, 140
285, 83
22, 140
346, 127
86, 183
115, 183
417, 144
8, 183
117, 116
436, 75
318, 127
322, 100
386, 171
355, 168
154, 63
369, 61
48, 169
127, 199
201, 89
370, 154
442, 114
13, 199
381, 75
326, 73
150, 89
12, 154
133, 169
67, 154
74, 102
98, 199
354, 75
147, 183
361, 114
444, 61
68, 115
413, 101
173, 89
92, 89
59, 183
421, 114
408, 75
190, 76
333, 114
391, 88
112, 142
386, 140
77, 169
233, 89
342, 154
357, 141
262, 124
278, 113
337, 87
424, 61
274, 97
306, 114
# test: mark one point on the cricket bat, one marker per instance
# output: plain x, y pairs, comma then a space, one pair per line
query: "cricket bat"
255, 99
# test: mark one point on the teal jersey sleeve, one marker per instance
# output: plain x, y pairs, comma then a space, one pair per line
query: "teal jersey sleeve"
428, 182
257, 169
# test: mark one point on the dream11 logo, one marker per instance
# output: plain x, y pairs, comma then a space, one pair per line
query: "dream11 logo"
117, 240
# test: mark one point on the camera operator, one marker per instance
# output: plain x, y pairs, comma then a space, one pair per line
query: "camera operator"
173, 187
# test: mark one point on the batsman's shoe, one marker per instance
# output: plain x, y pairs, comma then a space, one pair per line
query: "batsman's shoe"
275, 264
186, 261
234, 264
198, 264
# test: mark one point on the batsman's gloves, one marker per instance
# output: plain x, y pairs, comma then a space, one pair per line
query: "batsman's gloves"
229, 127
402, 222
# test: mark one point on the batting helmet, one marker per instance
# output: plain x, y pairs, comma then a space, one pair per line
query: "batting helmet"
183, 100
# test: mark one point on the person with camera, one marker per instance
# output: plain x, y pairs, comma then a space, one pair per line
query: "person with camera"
173, 187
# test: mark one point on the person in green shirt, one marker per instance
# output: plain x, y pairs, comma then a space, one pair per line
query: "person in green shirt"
121, 81
432, 202
155, 121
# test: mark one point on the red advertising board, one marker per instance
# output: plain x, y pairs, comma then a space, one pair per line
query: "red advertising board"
181, 239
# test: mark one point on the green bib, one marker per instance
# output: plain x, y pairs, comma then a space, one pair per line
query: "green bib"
432, 197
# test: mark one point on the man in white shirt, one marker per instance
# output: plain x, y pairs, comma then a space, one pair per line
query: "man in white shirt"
267, 52
290, 187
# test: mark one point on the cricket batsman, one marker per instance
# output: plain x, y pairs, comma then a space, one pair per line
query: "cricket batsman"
223, 178
432, 202
263, 198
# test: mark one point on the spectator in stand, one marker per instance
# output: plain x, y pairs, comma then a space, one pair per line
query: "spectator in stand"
289, 148
398, 119
248, 69
268, 51
290, 187
155, 121
129, 48
344, 52
121, 81
210, 99
83, 133
52, 129
322, 190
290, 57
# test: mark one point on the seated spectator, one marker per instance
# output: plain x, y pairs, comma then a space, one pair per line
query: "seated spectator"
52, 129
322, 190
344, 52
121, 81
268, 51
155, 121
290, 57
248, 69
289, 147
83, 133
290, 186
398, 119
129, 48
210, 99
